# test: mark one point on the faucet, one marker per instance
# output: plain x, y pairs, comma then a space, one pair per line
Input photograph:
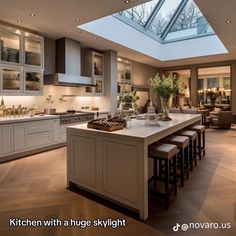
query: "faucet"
49, 99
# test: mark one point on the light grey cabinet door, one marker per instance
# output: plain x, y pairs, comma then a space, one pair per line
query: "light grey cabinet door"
7, 139
19, 137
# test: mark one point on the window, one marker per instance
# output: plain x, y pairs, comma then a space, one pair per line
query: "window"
167, 20
214, 87
141, 13
189, 23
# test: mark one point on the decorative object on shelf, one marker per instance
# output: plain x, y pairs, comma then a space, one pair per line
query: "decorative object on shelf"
166, 87
151, 116
128, 101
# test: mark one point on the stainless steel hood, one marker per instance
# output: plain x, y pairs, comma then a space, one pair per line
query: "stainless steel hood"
68, 65
68, 80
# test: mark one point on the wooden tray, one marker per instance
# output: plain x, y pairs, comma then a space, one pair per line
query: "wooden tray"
105, 128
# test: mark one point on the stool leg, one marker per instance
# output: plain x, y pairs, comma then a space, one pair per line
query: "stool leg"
175, 173
155, 170
203, 142
182, 166
195, 151
187, 162
200, 146
191, 155
167, 182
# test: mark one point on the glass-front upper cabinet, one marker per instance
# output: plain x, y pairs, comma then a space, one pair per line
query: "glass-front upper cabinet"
124, 77
98, 64
11, 80
33, 81
10, 46
33, 51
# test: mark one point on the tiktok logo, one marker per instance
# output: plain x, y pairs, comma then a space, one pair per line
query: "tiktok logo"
176, 227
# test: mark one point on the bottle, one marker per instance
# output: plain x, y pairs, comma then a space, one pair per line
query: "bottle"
2, 108
2, 102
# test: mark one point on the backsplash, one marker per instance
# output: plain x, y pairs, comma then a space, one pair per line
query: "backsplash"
55, 94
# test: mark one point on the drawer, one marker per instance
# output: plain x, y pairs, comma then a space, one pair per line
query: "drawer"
39, 139
39, 126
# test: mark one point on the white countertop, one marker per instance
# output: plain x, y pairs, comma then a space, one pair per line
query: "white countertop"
139, 128
10, 120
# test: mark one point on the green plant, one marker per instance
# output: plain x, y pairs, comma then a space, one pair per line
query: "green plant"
130, 97
165, 85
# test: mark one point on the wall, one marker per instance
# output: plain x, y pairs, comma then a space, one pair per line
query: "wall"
56, 92
141, 73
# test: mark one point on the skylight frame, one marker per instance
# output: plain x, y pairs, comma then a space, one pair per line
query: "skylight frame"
162, 38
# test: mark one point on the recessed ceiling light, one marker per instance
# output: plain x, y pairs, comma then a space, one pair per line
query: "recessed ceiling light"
95, 37
19, 21
32, 14
77, 20
79, 31
127, 1
228, 21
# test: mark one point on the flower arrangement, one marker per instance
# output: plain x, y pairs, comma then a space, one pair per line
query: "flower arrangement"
130, 97
165, 86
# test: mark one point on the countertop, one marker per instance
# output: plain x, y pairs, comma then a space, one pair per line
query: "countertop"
139, 128
10, 120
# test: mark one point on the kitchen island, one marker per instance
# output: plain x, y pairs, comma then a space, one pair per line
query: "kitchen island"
114, 165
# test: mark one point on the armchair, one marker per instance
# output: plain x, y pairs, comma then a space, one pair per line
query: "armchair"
223, 121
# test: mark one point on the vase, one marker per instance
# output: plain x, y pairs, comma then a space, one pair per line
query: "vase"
165, 105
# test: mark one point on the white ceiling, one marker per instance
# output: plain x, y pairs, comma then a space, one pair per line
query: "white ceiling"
55, 18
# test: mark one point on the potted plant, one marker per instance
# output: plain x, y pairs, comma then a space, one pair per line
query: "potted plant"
165, 87
128, 100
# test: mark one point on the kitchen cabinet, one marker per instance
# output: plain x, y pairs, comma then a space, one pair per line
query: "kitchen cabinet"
56, 130
11, 80
124, 76
92, 65
33, 81
6, 139
33, 50
10, 40
31, 136
21, 62
19, 137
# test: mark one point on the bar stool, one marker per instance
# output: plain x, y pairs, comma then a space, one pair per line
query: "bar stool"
182, 142
192, 135
166, 156
200, 129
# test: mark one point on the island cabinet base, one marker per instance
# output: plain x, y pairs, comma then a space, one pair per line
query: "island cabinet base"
115, 164
107, 167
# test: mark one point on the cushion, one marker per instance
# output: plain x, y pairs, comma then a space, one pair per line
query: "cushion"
179, 141
162, 150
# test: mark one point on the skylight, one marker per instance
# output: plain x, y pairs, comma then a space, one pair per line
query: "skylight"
167, 20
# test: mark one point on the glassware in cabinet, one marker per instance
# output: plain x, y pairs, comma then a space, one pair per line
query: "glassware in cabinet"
33, 53
11, 80
10, 46
33, 81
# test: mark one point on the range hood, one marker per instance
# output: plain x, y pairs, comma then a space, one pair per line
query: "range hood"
68, 80
68, 66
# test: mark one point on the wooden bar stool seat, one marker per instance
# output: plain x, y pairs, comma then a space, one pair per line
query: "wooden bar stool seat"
192, 135
166, 156
200, 129
182, 142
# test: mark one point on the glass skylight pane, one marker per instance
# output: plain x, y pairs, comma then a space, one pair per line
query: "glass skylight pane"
163, 16
141, 13
190, 23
